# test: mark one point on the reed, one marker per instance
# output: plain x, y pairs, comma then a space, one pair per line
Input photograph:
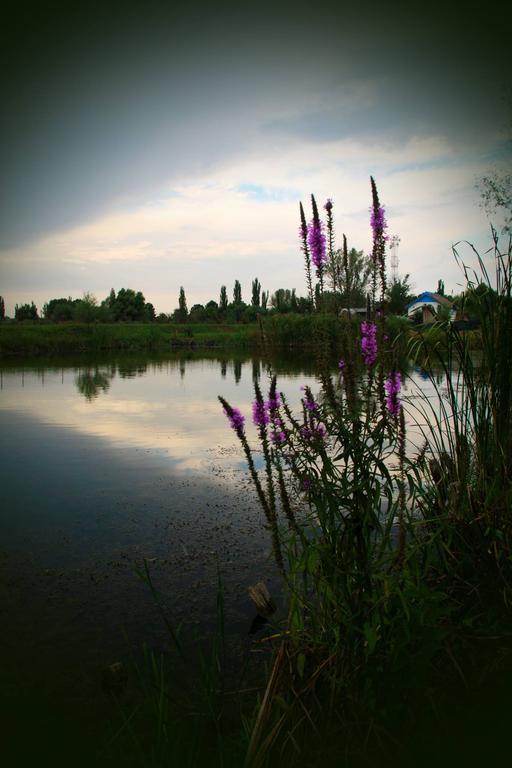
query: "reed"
392, 554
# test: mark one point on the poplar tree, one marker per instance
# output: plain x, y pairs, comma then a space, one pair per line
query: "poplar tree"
223, 300
256, 290
182, 306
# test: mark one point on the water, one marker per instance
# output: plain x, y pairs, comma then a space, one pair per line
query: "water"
107, 462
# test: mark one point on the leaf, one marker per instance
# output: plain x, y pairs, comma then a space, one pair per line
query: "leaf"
371, 637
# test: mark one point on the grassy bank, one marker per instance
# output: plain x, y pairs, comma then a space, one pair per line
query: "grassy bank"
323, 334
49, 339
396, 552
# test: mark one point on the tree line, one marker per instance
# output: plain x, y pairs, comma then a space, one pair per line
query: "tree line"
127, 305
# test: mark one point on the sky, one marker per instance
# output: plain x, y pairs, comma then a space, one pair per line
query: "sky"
151, 147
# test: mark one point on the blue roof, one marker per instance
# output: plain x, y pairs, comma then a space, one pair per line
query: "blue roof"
425, 296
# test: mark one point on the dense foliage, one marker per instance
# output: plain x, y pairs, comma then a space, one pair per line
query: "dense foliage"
389, 549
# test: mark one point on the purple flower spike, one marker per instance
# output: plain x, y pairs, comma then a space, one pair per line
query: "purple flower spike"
328, 205
260, 416
317, 243
306, 483
341, 365
369, 342
378, 222
273, 403
277, 437
309, 401
236, 419
392, 387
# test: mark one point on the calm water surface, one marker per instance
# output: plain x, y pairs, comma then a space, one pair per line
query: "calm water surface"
107, 462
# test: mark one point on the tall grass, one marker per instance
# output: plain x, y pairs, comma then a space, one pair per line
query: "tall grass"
470, 468
388, 558
43, 339
178, 710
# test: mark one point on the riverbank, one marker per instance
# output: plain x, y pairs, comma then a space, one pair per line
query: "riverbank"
321, 333
48, 339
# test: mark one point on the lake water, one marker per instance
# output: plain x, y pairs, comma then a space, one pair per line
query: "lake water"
106, 462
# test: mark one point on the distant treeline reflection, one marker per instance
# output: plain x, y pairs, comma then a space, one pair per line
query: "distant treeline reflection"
93, 378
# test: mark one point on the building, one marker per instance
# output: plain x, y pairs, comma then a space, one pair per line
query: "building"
428, 303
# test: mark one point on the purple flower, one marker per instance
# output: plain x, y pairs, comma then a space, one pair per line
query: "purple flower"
310, 404
236, 419
306, 483
341, 365
260, 416
392, 387
328, 205
316, 242
369, 342
318, 431
273, 403
278, 437
378, 222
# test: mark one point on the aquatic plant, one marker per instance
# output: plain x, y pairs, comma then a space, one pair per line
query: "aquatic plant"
385, 544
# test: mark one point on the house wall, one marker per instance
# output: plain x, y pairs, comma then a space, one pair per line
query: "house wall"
429, 309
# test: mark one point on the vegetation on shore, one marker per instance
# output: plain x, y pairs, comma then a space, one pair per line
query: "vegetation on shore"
397, 557
45, 339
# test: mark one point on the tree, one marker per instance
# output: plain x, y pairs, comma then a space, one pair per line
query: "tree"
86, 309
223, 300
398, 296
2, 308
180, 314
196, 314
149, 312
352, 277
59, 310
211, 310
237, 293
26, 312
127, 305
496, 195
264, 299
440, 287
256, 290
281, 300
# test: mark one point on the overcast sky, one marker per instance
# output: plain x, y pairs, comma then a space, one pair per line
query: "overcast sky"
147, 148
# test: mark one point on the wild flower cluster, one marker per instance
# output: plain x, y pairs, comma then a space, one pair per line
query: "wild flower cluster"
392, 387
352, 418
373, 537
235, 418
369, 343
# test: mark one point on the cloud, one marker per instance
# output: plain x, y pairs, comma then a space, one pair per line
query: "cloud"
104, 109
205, 232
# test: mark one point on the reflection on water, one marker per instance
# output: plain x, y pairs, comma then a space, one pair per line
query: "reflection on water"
91, 382
108, 460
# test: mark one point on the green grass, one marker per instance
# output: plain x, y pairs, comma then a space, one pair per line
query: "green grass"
399, 568
45, 339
